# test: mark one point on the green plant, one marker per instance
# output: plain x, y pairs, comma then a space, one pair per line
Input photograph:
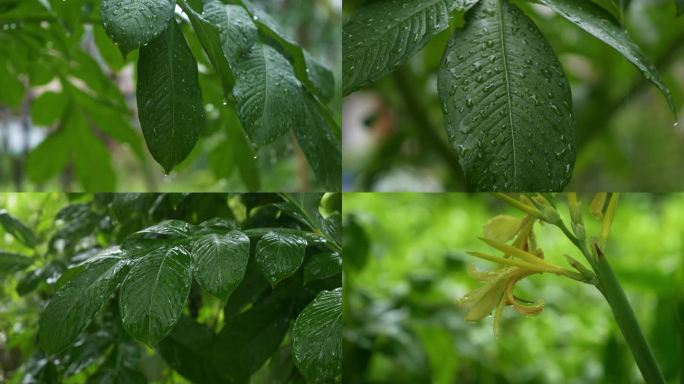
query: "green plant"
255, 82
505, 98
522, 258
218, 285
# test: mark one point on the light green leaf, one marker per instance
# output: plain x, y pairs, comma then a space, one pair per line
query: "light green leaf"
17, 229
382, 35
12, 90
48, 108
50, 157
13, 262
76, 302
238, 32
134, 23
107, 49
92, 161
268, 95
593, 19
220, 262
154, 293
169, 98
507, 103
245, 157
279, 255
317, 338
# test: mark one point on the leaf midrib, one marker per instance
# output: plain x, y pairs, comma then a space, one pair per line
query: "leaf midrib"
508, 87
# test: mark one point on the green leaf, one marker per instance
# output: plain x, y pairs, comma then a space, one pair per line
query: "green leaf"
252, 336
245, 156
321, 147
593, 19
92, 161
507, 103
279, 255
220, 262
107, 49
120, 367
12, 90
17, 229
680, 7
167, 229
317, 338
13, 262
382, 35
210, 38
268, 95
237, 31
322, 266
48, 108
50, 157
76, 302
169, 98
154, 293
134, 23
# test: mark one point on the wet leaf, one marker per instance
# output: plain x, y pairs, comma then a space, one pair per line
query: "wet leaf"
220, 262
279, 255
132, 24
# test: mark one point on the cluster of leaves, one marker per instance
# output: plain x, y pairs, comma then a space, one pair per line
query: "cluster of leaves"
505, 98
266, 85
139, 267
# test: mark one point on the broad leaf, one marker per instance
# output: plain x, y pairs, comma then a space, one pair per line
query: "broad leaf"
268, 95
220, 262
593, 19
48, 108
279, 255
75, 303
321, 147
317, 338
134, 23
507, 103
17, 229
249, 339
13, 262
169, 99
322, 266
167, 229
382, 35
154, 293
237, 30
49, 158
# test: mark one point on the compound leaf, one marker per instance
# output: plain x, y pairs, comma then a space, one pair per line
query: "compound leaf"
169, 98
317, 338
154, 293
279, 255
507, 103
134, 23
220, 262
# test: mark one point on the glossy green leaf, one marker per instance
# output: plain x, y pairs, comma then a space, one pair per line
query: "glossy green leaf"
249, 339
132, 24
322, 266
317, 338
167, 229
507, 103
220, 262
17, 229
75, 303
154, 293
279, 255
48, 108
268, 95
13, 262
322, 149
209, 36
597, 22
237, 30
170, 103
382, 35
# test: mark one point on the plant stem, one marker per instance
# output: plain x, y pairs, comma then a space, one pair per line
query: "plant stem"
627, 321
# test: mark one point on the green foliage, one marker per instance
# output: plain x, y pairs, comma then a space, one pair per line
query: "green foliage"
134, 23
177, 273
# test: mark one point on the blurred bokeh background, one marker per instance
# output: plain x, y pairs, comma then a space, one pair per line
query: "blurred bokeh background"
43, 40
394, 136
405, 270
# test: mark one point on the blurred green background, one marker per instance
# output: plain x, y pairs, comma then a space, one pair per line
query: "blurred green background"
395, 140
405, 270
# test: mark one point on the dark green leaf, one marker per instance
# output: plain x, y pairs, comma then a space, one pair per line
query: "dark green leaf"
134, 23
509, 112
48, 108
220, 262
382, 35
680, 7
17, 229
13, 262
322, 266
167, 229
169, 98
29, 281
355, 244
238, 32
591, 18
119, 367
154, 293
317, 338
73, 306
268, 95
249, 339
279, 255
321, 147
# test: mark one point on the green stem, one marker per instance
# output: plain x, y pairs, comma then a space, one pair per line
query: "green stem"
627, 321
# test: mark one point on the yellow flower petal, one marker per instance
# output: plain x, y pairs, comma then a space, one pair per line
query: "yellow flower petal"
502, 228
484, 299
519, 253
